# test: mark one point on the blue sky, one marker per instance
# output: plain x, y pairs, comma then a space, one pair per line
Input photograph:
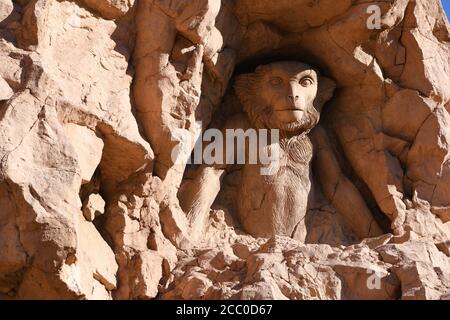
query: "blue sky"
446, 4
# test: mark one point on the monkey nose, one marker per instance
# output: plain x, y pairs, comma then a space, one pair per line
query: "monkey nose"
293, 98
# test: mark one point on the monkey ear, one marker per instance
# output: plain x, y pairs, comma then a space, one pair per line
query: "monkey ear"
243, 86
324, 92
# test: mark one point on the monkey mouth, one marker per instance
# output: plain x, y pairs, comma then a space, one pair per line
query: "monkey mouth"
292, 109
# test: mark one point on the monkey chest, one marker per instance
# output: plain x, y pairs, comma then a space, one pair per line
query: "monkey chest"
288, 177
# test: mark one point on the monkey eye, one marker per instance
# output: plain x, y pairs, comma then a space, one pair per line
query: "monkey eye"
306, 82
276, 81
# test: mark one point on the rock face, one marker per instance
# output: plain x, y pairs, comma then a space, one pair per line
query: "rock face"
95, 96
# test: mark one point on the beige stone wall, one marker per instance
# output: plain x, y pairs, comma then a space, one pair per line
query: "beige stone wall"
92, 94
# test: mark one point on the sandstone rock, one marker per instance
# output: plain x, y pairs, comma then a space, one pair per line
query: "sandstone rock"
420, 268
264, 290
142, 250
431, 180
5, 90
11, 70
179, 25
86, 97
283, 14
241, 250
51, 177
95, 96
6, 8
110, 9
88, 148
283, 268
97, 266
93, 207
148, 266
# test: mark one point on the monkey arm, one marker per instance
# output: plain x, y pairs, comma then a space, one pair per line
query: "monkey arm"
199, 194
340, 191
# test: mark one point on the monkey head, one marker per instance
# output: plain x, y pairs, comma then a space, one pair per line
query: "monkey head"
285, 95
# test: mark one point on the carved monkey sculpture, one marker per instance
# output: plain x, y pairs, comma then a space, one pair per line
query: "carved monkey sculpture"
284, 95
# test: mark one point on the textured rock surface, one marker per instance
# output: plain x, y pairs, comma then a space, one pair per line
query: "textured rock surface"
93, 95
